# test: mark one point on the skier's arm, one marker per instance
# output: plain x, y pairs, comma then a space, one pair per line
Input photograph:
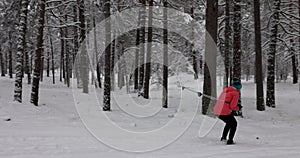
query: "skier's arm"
234, 102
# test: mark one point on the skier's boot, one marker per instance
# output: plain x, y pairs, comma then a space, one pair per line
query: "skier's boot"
223, 139
230, 142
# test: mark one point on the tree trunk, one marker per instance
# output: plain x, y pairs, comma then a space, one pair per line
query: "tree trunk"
52, 60
194, 53
237, 40
165, 56
272, 54
136, 61
113, 54
84, 66
107, 79
42, 68
48, 64
67, 59
21, 43
292, 49
209, 85
10, 67
142, 44
2, 63
149, 52
260, 106
62, 53
227, 44
39, 52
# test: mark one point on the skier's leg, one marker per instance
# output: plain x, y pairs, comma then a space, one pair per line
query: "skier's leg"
233, 125
227, 126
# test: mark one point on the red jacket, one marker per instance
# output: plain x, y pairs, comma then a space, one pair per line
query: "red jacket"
227, 101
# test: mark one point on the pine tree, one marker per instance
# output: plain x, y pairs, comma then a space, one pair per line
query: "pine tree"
2, 62
165, 56
107, 75
227, 43
142, 44
21, 48
209, 85
271, 55
136, 61
149, 52
259, 77
84, 66
38, 56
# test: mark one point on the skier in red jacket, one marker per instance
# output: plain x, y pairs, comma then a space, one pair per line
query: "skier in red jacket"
227, 104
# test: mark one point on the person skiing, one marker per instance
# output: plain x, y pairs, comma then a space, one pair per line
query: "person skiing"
226, 107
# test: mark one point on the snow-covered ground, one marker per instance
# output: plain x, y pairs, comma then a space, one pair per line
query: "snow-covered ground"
54, 129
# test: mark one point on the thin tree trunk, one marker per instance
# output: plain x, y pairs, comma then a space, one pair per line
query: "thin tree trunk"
10, 67
62, 54
84, 66
149, 52
21, 44
107, 79
52, 60
113, 55
237, 40
2, 63
271, 55
258, 49
42, 68
165, 56
209, 85
194, 53
48, 63
39, 52
67, 59
227, 44
142, 45
136, 61
293, 52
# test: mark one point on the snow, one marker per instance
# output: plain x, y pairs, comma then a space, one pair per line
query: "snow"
54, 129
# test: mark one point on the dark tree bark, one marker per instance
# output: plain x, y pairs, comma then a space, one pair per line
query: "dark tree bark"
52, 60
142, 44
27, 68
149, 51
10, 62
258, 64
271, 55
227, 43
42, 67
209, 85
39, 52
194, 53
237, 40
67, 59
113, 54
84, 66
62, 54
2, 63
136, 61
21, 44
165, 56
107, 76
48, 64
292, 50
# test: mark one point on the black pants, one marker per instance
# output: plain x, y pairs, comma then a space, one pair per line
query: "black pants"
231, 125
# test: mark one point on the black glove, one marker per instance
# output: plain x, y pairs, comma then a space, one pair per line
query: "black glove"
240, 106
235, 113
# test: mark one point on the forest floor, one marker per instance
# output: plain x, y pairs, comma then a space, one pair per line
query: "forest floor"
55, 129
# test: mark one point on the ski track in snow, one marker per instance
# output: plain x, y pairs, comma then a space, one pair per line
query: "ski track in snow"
54, 129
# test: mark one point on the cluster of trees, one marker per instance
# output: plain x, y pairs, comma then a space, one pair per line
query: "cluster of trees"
49, 33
